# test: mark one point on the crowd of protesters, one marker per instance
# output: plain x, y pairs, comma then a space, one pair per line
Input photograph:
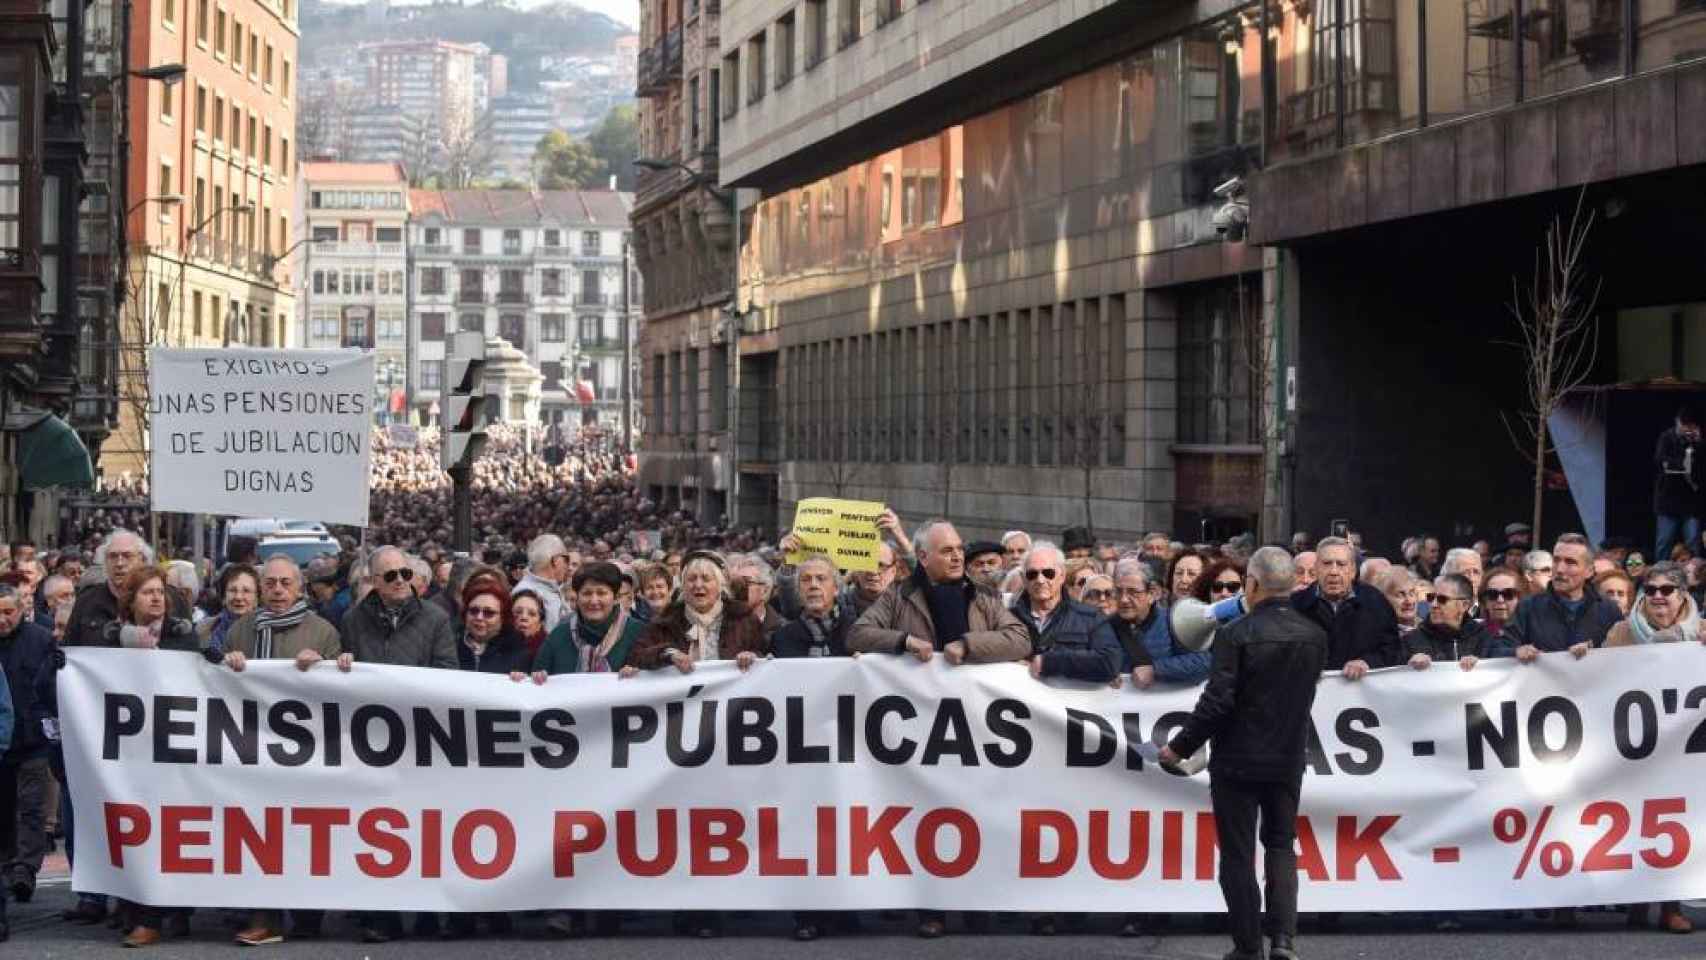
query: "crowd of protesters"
1075, 607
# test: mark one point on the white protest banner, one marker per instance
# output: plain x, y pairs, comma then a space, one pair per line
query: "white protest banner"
261, 433
861, 784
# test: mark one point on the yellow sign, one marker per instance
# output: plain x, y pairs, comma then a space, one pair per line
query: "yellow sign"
843, 530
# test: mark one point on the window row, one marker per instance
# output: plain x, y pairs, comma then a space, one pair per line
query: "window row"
552, 283
356, 326
800, 35
553, 328
242, 132
510, 242
356, 200
353, 281
1043, 386
244, 49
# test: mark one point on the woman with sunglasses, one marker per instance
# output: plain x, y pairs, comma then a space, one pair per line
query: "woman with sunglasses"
1665, 613
1099, 593
1079, 570
1500, 593
1222, 579
1449, 633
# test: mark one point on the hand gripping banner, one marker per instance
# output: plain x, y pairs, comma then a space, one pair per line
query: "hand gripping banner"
862, 784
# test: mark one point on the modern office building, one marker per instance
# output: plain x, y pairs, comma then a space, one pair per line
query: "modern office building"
540, 273
210, 179
684, 234
353, 268
984, 278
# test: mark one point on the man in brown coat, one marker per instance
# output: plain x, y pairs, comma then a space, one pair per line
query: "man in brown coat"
281, 628
939, 608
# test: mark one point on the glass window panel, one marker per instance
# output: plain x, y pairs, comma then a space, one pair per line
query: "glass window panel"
1665, 33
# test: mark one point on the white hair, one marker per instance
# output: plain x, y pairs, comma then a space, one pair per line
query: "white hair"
921, 537
1536, 559
142, 546
544, 548
706, 563
181, 574
1010, 536
1041, 546
753, 568
1453, 562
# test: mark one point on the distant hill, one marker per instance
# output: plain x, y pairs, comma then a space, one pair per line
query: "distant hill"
521, 32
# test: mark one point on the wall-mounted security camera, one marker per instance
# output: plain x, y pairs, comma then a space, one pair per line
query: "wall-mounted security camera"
1232, 220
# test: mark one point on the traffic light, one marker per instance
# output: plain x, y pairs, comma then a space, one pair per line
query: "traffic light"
465, 412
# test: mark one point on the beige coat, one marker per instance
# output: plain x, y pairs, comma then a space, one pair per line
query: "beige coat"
996, 635
313, 633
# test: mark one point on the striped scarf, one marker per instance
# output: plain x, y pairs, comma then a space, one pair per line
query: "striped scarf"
266, 622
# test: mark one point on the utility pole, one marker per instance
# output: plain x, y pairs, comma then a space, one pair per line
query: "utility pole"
627, 358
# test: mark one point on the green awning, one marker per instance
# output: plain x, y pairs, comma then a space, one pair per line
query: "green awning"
50, 454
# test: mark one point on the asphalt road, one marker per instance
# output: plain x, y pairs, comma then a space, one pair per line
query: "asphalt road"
39, 934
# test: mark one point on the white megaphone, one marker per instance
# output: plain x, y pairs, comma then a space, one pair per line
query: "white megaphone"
1193, 624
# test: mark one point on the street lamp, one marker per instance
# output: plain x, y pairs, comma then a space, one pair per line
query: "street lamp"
164, 200
166, 73
693, 176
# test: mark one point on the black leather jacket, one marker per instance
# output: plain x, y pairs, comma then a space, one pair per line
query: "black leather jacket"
1255, 708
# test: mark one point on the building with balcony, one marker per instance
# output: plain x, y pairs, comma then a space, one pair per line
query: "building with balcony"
56, 387
210, 184
684, 246
983, 279
540, 270
352, 268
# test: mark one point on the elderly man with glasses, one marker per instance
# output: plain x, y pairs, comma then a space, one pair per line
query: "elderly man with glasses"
1143, 627
281, 628
1070, 639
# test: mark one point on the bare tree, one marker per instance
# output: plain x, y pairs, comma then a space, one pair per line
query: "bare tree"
1560, 338
465, 149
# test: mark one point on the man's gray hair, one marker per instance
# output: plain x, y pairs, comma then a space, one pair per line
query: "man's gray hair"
544, 548
1133, 567
287, 560
142, 546
921, 538
1272, 569
753, 568
834, 574
373, 558
422, 569
1458, 583
1454, 558
181, 575
1042, 546
1328, 543
1007, 537
1535, 559
1394, 578
55, 581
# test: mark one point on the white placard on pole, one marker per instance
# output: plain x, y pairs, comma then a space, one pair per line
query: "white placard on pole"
261, 433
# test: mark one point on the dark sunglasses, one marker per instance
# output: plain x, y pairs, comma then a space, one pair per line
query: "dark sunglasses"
1444, 599
1430, 597
401, 573
1097, 595
484, 613
1225, 586
1047, 573
1504, 596
1662, 589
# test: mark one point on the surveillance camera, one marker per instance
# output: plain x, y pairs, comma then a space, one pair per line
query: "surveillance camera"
1232, 220
1231, 188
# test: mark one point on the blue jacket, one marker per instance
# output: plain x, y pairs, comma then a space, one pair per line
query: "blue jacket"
1078, 642
26, 655
1173, 663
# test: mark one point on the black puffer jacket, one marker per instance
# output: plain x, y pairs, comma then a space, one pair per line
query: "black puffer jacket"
26, 654
1444, 643
419, 636
1255, 708
1364, 627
